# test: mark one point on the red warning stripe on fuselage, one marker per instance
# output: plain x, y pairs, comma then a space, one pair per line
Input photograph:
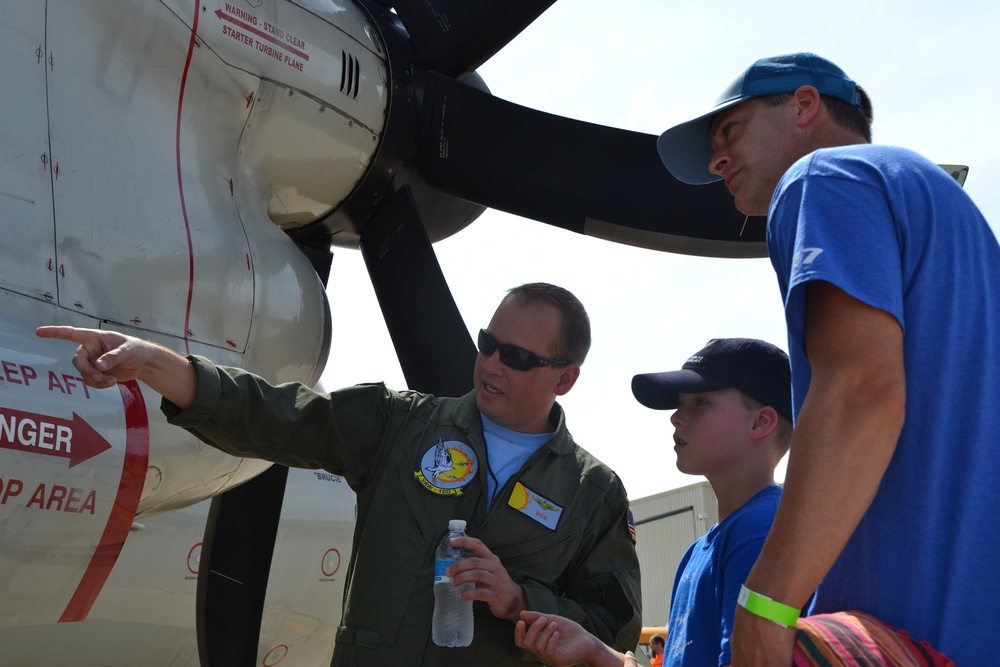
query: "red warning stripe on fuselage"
123, 512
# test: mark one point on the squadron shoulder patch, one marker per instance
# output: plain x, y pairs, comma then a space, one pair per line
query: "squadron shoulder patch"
446, 467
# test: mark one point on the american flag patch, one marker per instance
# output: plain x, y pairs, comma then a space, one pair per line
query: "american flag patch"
631, 526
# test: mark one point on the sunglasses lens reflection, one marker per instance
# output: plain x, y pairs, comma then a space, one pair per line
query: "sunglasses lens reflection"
511, 356
518, 358
487, 343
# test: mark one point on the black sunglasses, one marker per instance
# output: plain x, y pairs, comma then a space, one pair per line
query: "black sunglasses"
513, 356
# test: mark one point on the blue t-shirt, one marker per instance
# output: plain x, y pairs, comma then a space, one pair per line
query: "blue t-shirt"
507, 452
896, 232
708, 581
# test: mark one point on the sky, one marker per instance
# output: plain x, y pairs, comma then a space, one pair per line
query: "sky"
645, 65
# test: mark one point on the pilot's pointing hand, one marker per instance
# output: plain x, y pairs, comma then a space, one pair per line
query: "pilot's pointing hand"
104, 358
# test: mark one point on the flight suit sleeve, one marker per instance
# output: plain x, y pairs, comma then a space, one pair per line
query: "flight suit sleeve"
602, 592
291, 424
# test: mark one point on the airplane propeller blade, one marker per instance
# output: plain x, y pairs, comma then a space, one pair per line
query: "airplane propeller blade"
587, 178
432, 343
234, 568
457, 36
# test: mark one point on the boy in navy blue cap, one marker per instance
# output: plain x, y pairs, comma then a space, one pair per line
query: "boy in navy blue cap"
889, 276
732, 423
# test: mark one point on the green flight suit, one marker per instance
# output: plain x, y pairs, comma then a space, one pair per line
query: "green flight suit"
415, 462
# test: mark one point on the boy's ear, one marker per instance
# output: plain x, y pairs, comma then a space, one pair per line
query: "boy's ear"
764, 423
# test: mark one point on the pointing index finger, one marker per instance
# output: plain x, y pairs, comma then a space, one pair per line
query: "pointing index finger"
71, 334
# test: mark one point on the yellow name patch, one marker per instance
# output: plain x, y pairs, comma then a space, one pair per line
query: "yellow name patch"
529, 503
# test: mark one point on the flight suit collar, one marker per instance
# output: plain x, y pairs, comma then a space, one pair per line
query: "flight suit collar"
466, 416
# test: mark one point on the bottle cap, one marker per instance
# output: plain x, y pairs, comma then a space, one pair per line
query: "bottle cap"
456, 524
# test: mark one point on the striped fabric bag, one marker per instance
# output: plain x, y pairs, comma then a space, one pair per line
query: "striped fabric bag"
855, 639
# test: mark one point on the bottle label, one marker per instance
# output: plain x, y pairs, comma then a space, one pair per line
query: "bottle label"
439, 567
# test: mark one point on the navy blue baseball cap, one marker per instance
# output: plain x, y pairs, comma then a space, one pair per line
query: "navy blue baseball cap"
757, 368
686, 148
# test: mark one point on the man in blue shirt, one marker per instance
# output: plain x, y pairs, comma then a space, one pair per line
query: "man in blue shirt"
890, 278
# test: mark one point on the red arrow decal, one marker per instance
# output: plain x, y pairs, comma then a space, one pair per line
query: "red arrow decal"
72, 439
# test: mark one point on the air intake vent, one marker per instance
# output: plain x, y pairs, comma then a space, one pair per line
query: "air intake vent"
350, 75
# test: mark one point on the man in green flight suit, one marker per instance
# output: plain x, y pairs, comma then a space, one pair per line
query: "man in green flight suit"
551, 522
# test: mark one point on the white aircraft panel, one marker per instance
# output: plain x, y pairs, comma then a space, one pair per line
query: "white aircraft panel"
27, 263
318, 116
182, 469
290, 338
308, 570
145, 195
298, 158
338, 60
145, 615
72, 465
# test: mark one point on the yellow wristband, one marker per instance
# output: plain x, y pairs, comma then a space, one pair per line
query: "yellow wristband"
765, 607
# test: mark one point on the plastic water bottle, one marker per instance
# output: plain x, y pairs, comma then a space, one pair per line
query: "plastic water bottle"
452, 624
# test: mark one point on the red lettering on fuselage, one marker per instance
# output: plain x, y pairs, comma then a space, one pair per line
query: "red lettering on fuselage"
67, 384
237, 35
12, 489
12, 373
62, 499
32, 433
